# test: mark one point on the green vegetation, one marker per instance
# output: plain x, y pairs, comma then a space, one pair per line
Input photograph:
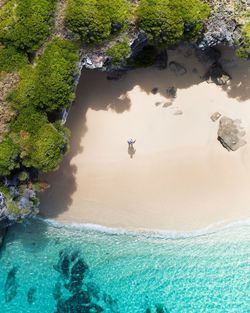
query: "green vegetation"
244, 50
25, 24
48, 86
96, 20
119, 51
11, 60
167, 22
8, 156
44, 88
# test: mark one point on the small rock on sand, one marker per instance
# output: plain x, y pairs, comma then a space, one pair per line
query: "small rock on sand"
171, 92
215, 116
178, 112
177, 68
167, 104
154, 90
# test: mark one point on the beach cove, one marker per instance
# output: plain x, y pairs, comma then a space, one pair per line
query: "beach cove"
180, 177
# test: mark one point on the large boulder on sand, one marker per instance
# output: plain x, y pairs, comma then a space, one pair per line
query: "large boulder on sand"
230, 133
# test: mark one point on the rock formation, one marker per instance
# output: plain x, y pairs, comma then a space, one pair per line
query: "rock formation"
230, 134
225, 23
217, 75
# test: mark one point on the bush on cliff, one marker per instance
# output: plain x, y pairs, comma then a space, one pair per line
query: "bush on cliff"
96, 20
48, 86
8, 156
244, 50
25, 24
47, 148
41, 144
167, 22
119, 51
11, 60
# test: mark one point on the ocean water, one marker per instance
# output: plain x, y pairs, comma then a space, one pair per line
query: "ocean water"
47, 268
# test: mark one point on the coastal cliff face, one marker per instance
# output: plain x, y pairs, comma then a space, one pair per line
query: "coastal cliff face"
224, 26
129, 46
225, 23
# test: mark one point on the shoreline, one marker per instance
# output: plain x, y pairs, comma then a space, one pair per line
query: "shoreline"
180, 176
148, 233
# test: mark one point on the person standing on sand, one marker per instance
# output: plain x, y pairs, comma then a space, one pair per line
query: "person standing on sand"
131, 142
131, 149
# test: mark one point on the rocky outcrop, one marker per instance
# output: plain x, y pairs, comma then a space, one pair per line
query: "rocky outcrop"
18, 200
225, 22
217, 75
230, 134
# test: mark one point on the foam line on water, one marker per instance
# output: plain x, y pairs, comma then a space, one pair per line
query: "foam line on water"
161, 234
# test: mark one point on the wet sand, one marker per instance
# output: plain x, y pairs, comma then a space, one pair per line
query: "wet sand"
180, 177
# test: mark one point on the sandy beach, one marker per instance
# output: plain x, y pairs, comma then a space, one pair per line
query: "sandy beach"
180, 177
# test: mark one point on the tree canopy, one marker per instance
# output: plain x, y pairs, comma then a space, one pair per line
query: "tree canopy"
166, 22
119, 51
244, 50
8, 156
25, 24
96, 20
48, 86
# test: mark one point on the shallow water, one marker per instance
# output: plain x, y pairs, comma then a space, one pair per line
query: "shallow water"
44, 269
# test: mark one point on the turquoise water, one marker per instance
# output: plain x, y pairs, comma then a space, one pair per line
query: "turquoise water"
54, 269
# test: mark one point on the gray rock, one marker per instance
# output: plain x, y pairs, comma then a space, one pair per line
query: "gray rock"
215, 116
230, 134
224, 24
217, 75
171, 92
177, 68
178, 112
154, 90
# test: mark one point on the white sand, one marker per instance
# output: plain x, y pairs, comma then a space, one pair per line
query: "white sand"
180, 178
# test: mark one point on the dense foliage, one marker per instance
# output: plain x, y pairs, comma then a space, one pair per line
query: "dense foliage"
24, 24
119, 51
44, 88
43, 144
96, 20
166, 22
49, 85
244, 50
8, 156
11, 60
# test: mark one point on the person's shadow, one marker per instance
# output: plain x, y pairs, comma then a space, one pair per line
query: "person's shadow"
131, 150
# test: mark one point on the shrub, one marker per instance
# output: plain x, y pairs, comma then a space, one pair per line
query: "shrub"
244, 50
48, 148
27, 22
41, 143
11, 60
8, 156
166, 22
95, 20
49, 85
119, 51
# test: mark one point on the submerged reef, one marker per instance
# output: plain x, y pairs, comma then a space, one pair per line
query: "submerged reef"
85, 296
10, 287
